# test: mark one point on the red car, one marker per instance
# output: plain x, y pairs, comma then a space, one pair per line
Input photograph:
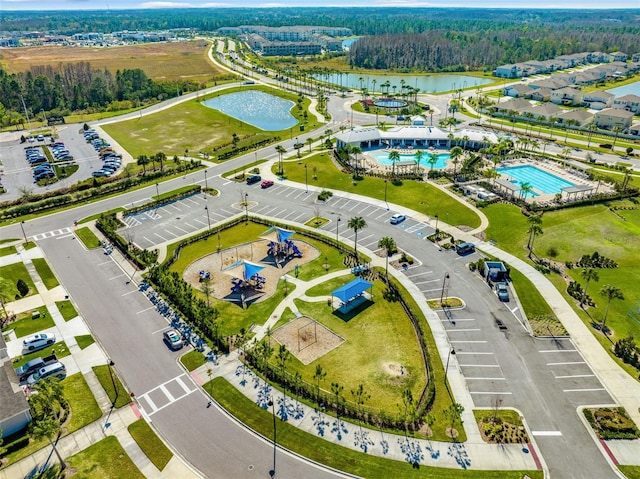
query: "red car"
266, 184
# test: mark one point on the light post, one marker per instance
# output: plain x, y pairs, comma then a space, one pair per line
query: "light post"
444, 285
23, 233
246, 208
157, 192
113, 382
306, 179
436, 223
206, 208
272, 472
385, 193
446, 369
206, 185
337, 225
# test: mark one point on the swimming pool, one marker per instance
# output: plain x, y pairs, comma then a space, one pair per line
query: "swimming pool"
382, 157
538, 179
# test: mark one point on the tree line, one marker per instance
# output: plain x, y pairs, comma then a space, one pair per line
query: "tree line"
55, 92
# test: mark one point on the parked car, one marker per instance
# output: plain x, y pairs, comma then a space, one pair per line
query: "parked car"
253, 179
173, 339
100, 173
44, 175
40, 138
266, 184
502, 290
30, 367
38, 341
56, 370
465, 248
397, 219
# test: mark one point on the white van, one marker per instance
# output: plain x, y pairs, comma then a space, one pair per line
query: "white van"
56, 369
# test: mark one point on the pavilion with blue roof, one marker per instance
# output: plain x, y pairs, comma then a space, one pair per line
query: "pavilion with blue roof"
352, 294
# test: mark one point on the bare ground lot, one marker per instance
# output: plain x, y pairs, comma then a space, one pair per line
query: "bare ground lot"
160, 61
307, 339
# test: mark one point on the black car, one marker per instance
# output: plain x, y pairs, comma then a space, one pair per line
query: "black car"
253, 179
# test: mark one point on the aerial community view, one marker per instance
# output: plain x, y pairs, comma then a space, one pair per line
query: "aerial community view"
319, 242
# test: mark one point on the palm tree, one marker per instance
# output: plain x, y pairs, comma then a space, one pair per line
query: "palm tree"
49, 427
433, 159
356, 150
525, 189
588, 274
454, 154
356, 223
419, 154
389, 246
591, 127
394, 155
319, 375
617, 130
535, 229
160, 157
609, 292
281, 151
143, 160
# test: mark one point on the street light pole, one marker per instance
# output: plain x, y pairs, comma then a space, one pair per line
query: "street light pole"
246, 208
337, 225
206, 208
23, 233
157, 192
385, 193
113, 382
436, 224
306, 179
446, 369
444, 285
206, 185
272, 472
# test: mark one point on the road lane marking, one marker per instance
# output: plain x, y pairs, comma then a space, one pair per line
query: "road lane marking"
462, 330
558, 351
146, 309
575, 376
167, 393
457, 320
461, 353
566, 363
485, 379
546, 433
468, 342
498, 393
586, 390
478, 365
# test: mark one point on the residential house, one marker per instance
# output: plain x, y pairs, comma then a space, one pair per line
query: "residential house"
598, 100
583, 117
619, 57
612, 117
547, 110
598, 57
550, 83
629, 103
14, 407
587, 78
569, 61
541, 94
508, 71
516, 91
418, 120
535, 68
635, 57
566, 96
515, 105
635, 129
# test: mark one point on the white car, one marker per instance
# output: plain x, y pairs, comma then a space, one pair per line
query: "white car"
397, 218
38, 341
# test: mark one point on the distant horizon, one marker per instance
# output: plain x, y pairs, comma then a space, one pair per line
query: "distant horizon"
37, 6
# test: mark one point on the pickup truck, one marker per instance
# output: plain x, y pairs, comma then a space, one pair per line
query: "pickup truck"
30, 367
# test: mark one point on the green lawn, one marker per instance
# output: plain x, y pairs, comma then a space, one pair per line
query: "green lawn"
107, 380
66, 309
576, 231
106, 213
324, 452
150, 443
13, 272
88, 238
60, 348
26, 325
419, 196
46, 275
173, 193
193, 360
8, 250
164, 131
84, 407
632, 472
373, 344
104, 460
85, 340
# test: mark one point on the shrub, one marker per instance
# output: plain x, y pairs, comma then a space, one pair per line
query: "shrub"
23, 289
325, 195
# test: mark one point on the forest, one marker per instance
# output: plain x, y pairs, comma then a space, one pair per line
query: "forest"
56, 92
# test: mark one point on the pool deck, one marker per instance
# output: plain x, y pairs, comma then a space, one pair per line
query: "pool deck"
369, 162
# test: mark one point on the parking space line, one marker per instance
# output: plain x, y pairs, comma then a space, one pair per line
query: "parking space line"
430, 290
191, 201
468, 342
146, 309
365, 238
355, 206
301, 215
575, 376
586, 390
418, 274
424, 282
490, 392
148, 240
462, 330
178, 228
290, 192
485, 379
558, 351
173, 206
119, 276
302, 193
198, 221
546, 433
161, 237
134, 291
380, 216
457, 320
191, 226
462, 353
478, 365
566, 363
104, 262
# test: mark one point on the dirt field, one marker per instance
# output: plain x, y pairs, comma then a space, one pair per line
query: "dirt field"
255, 252
160, 61
307, 339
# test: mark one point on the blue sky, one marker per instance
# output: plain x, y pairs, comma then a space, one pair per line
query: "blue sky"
130, 4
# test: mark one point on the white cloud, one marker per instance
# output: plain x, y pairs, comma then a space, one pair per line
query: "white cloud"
165, 5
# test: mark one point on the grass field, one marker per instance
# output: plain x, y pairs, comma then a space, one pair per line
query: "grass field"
421, 197
194, 127
88, 238
13, 272
84, 407
193, 360
107, 379
8, 250
104, 460
160, 61
150, 443
572, 233
84, 341
324, 452
26, 325
44, 271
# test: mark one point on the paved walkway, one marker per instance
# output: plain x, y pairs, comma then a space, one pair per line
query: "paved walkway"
113, 422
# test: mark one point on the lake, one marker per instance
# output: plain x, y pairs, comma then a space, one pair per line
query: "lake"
267, 112
630, 89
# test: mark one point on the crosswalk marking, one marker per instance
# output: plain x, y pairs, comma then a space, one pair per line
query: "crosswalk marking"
51, 234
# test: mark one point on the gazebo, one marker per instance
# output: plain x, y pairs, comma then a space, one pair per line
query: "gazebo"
352, 295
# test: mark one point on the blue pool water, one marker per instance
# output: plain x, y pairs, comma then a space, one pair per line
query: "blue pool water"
382, 157
257, 108
537, 178
390, 103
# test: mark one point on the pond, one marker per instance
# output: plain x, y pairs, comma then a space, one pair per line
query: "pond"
267, 112
426, 83
630, 89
